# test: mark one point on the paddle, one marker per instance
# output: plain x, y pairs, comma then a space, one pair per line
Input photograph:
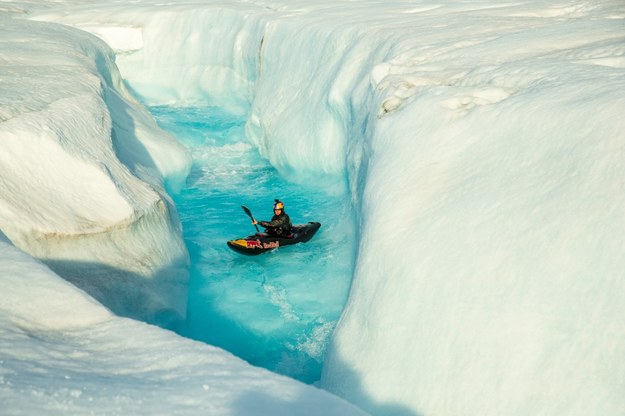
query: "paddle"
249, 213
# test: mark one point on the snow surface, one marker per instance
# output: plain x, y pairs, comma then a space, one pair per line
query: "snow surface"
482, 143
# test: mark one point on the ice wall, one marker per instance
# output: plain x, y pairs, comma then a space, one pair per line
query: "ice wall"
480, 142
83, 170
489, 278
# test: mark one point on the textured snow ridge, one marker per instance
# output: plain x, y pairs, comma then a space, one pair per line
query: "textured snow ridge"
62, 353
83, 170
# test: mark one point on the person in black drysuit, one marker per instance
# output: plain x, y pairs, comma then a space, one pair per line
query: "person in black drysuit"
280, 224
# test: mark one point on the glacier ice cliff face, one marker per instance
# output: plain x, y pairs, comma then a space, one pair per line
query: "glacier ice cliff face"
83, 171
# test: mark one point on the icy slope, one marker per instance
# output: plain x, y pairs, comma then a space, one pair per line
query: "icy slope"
490, 276
62, 353
82, 171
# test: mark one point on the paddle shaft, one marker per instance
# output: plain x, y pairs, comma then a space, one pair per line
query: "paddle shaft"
249, 213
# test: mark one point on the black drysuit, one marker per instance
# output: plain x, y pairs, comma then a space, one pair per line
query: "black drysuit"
279, 225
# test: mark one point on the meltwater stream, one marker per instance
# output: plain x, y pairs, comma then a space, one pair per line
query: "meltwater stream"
276, 310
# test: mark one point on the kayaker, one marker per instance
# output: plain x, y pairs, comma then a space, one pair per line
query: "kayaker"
280, 224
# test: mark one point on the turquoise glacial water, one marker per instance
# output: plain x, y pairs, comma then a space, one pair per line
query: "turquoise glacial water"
276, 310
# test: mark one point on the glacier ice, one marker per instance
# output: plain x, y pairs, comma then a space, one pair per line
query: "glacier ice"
481, 144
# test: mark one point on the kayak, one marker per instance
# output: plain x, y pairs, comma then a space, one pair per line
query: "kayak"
262, 242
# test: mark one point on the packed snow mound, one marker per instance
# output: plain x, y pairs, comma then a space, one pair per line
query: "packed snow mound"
63, 353
83, 170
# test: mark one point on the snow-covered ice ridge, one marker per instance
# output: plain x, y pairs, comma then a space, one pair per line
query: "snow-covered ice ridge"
482, 144
83, 170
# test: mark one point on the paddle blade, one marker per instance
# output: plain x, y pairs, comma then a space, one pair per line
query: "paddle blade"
249, 214
247, 211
